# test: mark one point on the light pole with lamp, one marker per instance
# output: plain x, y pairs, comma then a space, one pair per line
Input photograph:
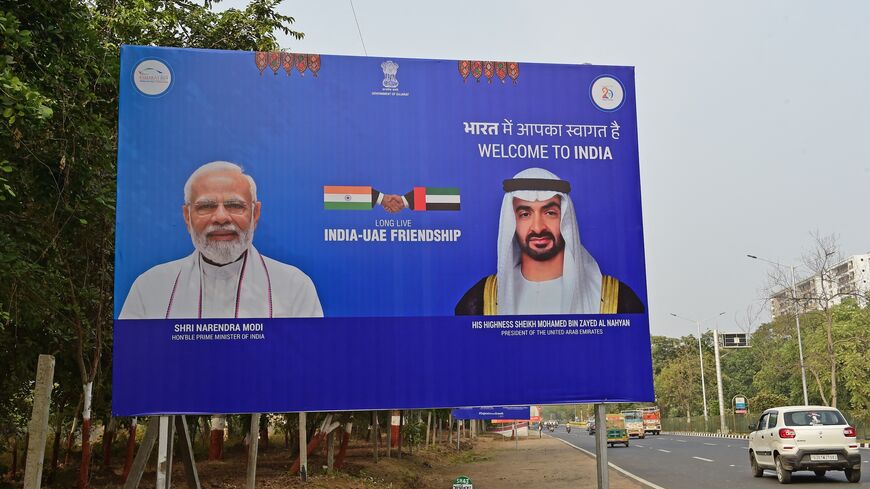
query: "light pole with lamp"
701, 356
797, 320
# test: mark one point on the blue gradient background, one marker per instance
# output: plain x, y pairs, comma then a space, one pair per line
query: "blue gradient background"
296, 134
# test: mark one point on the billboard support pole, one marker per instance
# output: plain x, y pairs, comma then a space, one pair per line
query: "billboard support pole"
186, 452
601, 446
303, 447
38, 426
162, 452
144, 453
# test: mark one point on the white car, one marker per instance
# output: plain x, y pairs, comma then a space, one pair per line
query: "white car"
792, 438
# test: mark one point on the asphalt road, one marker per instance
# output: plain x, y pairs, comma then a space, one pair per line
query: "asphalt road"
689, 462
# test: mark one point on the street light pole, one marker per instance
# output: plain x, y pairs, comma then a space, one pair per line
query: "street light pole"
797, 320
723, 427
701, 357
703, 384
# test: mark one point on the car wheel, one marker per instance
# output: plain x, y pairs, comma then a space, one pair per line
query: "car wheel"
782, 475
820, 473
756, 470
626, 442
853, 475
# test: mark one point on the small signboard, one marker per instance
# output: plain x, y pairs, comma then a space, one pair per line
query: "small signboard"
735, 340
462, 482
511, 413
740, 405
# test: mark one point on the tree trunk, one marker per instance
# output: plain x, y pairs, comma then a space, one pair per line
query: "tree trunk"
14, 456
55, 452
345, 439
131, 448
375, 435
428, 425
108, 439
84, 468
216, 439
389, 438
819, 385
401, 426
72, 431
264, 438
832, 358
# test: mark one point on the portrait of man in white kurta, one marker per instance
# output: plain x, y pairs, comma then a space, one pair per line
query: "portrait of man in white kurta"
225, 276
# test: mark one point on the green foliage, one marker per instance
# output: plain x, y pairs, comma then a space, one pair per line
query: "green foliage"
767, 400
59, 69
768, 373
414, 431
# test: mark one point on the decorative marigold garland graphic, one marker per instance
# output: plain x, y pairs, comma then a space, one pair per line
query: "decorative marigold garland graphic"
513, 71
288, 61
464, 69
275, 62
500, 69
261, 59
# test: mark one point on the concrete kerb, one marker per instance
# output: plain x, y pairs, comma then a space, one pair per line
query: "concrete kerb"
739, 436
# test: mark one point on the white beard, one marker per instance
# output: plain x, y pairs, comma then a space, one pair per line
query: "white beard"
222, 252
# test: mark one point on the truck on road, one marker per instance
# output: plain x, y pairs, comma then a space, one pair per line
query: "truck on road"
652, 420
634, 423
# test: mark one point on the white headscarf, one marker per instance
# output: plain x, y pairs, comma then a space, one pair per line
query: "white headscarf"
581, 277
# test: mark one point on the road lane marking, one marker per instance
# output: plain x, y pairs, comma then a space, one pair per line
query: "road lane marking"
663, 450
710, 444
704, 459
680, 441
639, 446
613, 466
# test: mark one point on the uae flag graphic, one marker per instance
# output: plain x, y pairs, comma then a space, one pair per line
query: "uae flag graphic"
343, 198
433, 199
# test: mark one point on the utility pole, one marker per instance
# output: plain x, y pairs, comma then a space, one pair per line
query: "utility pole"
723, 427
797, 320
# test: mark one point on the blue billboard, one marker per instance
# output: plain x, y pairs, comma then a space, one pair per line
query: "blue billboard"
298, 232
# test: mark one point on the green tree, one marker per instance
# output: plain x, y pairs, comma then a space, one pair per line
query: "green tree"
59, 68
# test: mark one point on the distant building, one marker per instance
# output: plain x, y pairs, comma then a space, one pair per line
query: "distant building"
850, 277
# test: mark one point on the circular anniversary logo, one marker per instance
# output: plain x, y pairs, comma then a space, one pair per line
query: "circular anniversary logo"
152, 77
607, 93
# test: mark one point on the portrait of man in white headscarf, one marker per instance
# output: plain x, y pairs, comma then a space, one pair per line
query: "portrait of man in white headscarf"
225, 276
542, 266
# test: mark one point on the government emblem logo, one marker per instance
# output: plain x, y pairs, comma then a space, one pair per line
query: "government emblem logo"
390, 68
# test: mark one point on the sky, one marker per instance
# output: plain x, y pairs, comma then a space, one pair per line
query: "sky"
752, 120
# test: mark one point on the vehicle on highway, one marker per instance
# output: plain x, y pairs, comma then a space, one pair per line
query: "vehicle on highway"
634, 423
792, 438
652, 420
616, 432
590, 426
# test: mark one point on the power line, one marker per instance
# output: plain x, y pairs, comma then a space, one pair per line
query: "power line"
358, 29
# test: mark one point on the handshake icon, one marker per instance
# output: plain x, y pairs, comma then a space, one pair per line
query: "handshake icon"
339, 197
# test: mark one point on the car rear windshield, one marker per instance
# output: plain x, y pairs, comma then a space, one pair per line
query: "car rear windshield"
813, 418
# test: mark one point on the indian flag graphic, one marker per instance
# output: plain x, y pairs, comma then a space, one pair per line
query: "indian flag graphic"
434, 199
339, 197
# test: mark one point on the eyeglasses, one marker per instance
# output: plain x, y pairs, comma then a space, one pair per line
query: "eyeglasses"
209, 207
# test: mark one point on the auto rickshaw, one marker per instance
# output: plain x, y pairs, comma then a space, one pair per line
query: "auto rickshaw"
616, 432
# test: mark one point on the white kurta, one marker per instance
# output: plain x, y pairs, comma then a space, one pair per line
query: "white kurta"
254, 287
537, 297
